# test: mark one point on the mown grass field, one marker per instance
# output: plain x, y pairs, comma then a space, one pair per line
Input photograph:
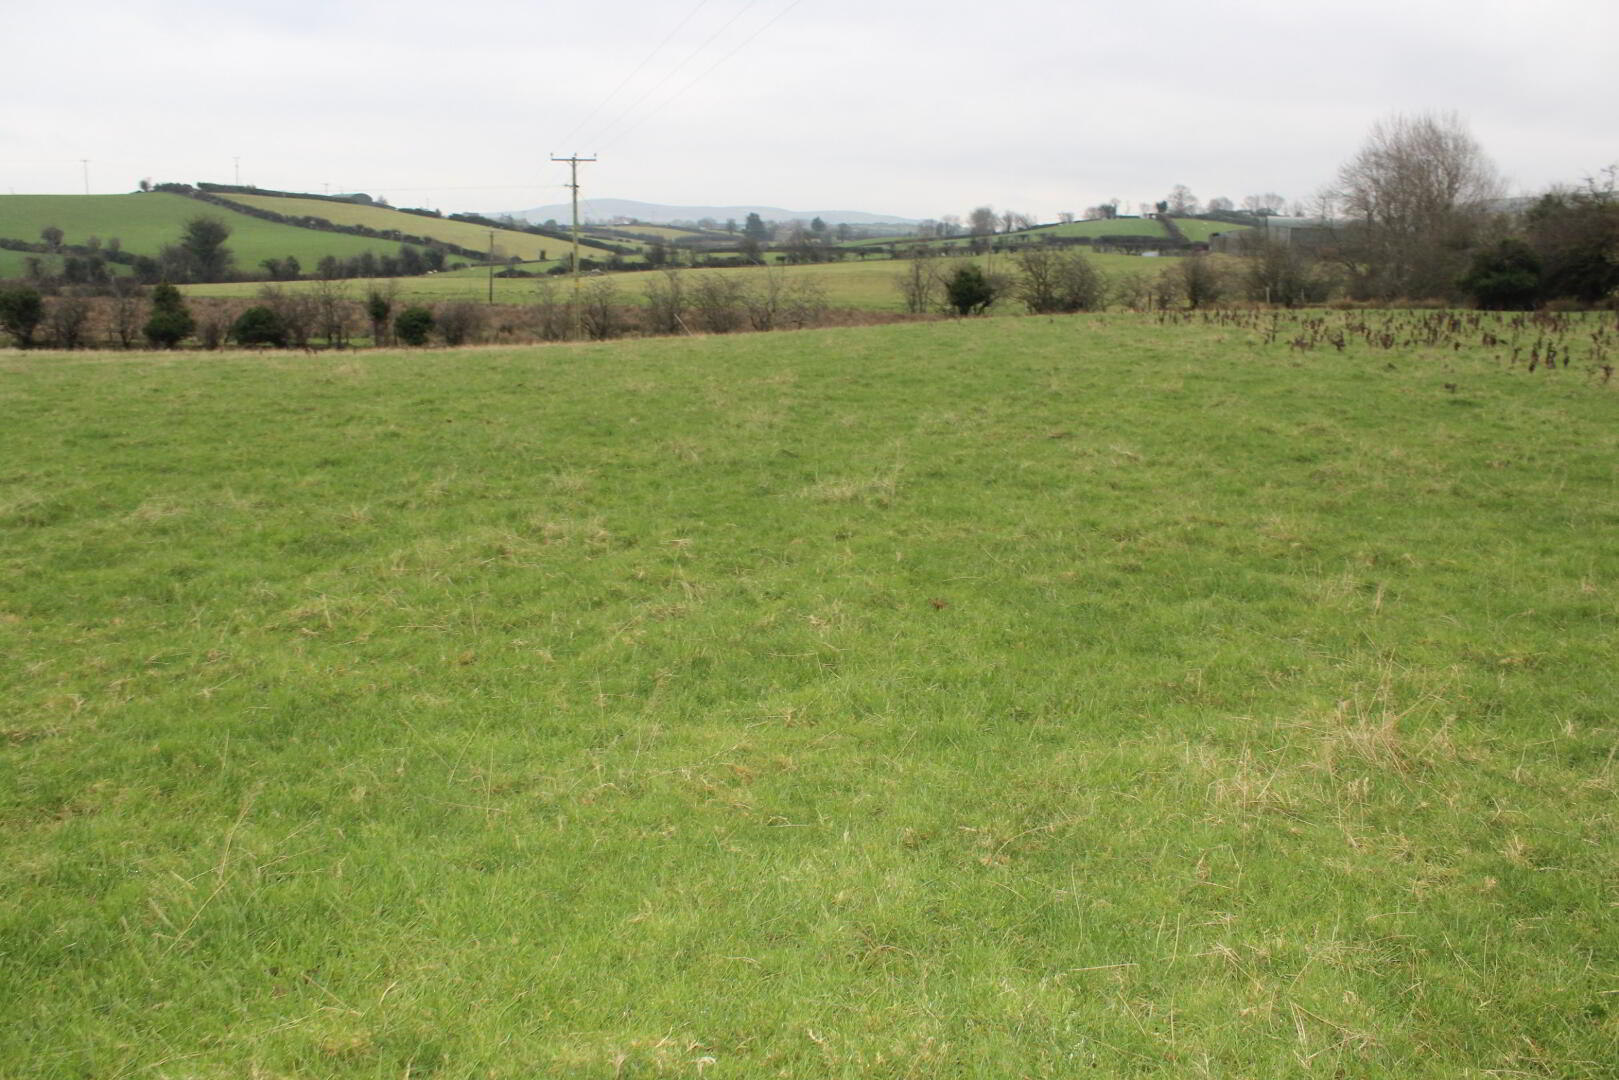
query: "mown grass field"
1031, 697
507, 242
861, 285
146, 222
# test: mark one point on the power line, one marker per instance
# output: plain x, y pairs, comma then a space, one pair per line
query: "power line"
568, 138
710, 69
573, 162
672, 72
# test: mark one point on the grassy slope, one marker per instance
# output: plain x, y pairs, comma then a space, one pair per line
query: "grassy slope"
14, 264
460, 233
147, 222
1111, 227
661, 232
866, 285
1034, 697
1199, 231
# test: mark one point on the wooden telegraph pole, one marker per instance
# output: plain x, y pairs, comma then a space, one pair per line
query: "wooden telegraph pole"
573, 164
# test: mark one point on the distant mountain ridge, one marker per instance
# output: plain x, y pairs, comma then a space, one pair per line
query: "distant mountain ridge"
605, 210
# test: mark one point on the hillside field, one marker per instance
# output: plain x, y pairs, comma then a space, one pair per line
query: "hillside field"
862, 285
508, 242
1108, 696
658, 232
148, 221
1199, 231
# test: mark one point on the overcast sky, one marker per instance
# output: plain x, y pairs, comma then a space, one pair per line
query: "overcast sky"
909, 107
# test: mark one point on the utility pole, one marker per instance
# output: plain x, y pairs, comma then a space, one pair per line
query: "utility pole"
491, 266
86, 163
238, 163
573, 163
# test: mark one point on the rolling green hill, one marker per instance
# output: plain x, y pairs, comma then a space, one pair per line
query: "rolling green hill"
145, 222
507, 242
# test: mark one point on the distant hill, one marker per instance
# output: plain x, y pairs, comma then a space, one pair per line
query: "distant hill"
144, 223
604, 210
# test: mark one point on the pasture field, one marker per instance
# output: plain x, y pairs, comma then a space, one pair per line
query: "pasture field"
1110, 696
148, 221
1100, 227
508, 242
655, 232
867, 286
1103, 227
1199, 231
14, 264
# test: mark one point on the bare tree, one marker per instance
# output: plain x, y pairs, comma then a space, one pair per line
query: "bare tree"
552, 319
982, 221
1053, 280
335, 311
717, 304
804, 302
1181, 201
600, 315
68, 317
458, 322
1202, 283
1278, 273
666, 302
1416, 192
919, 283
1266, 204
298, 311
126, 314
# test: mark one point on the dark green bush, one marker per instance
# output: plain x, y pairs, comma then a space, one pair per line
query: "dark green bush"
170, 323
413, 326
260, 326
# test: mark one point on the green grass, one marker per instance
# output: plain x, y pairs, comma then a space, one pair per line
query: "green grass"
1027, 697
1104, 227
507, 243
146, 222
862, 285
1099, 227
658, 232
14, 264
1199, 231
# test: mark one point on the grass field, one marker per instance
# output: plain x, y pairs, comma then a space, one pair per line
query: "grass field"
1104, 227
146, 222
657, 232
1097, 696
1100, 227
14, 264
1199, 231
863, 285
1194, 229
508, 242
